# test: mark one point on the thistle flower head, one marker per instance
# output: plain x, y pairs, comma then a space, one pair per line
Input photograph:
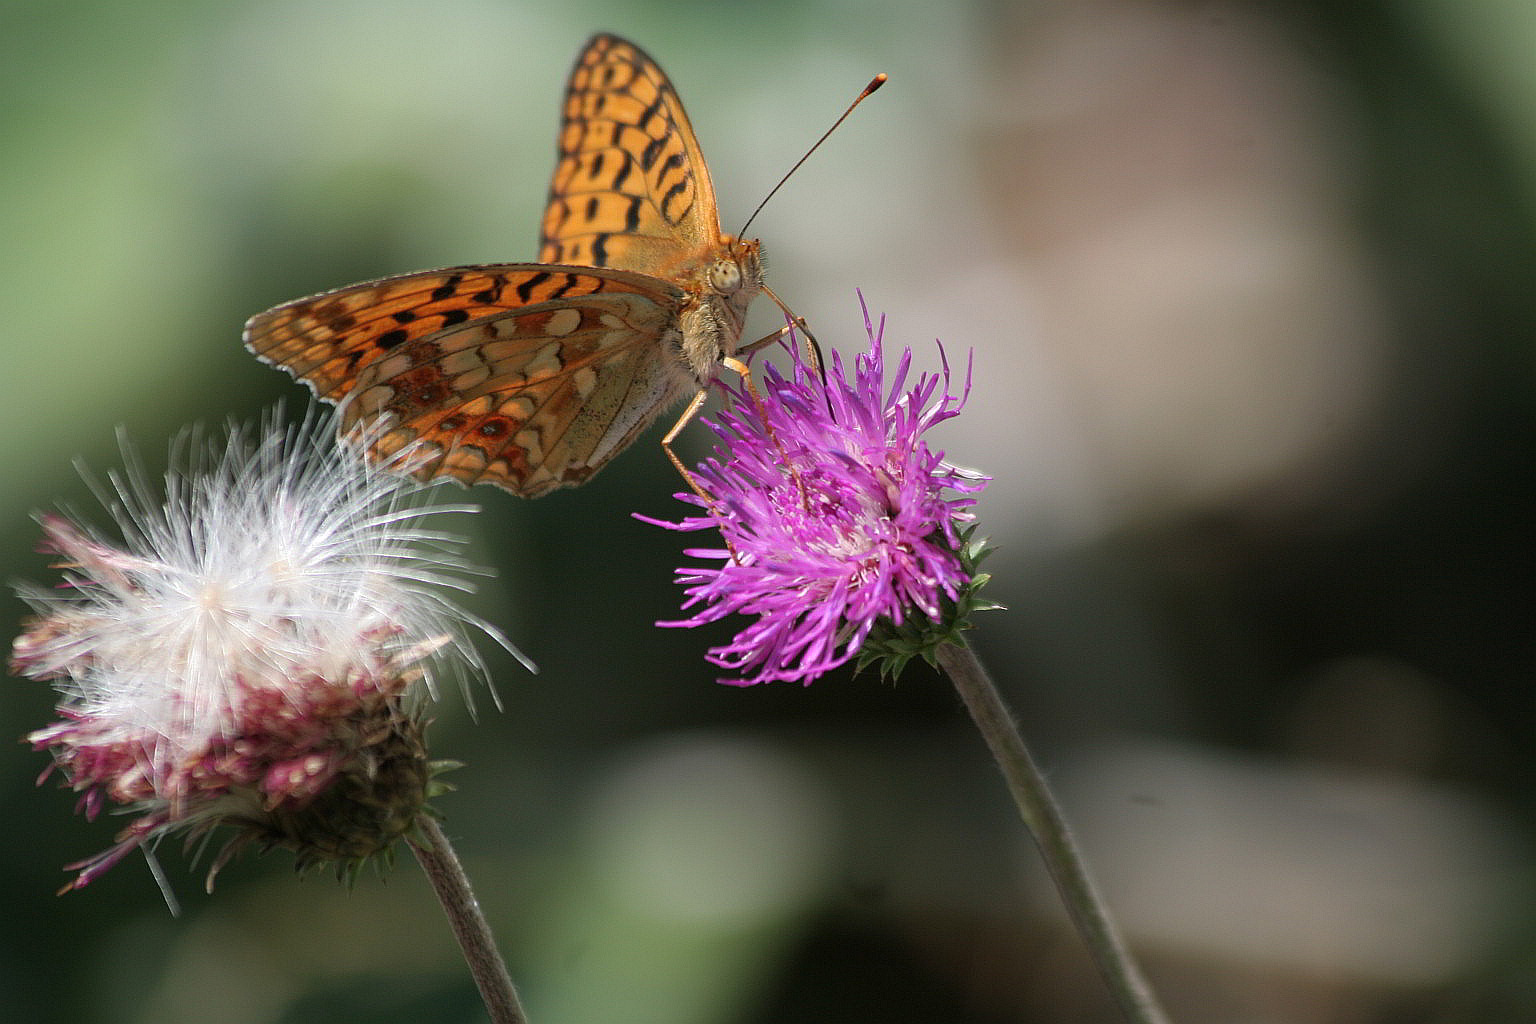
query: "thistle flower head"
838, 518
254, 651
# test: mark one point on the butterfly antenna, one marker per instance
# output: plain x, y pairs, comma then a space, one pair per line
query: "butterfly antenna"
874, 83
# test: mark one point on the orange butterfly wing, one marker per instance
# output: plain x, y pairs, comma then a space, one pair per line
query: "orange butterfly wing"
525, 375
532, 376
631, 188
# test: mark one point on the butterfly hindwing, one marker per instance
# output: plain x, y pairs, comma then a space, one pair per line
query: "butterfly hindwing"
459, 363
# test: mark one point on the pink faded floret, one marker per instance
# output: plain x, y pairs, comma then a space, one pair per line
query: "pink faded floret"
835, 512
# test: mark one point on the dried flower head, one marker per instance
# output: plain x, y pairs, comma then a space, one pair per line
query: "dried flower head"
837, 516
255, 650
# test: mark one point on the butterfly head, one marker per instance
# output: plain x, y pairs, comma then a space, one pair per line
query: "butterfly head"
738, 268
736, 277
719, 287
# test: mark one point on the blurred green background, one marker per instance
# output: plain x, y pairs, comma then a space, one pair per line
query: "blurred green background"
1250, 290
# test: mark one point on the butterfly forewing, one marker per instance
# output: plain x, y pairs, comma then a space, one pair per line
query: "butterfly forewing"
631, 188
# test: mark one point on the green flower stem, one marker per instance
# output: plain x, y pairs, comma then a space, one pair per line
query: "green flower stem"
469, 925
1042, 816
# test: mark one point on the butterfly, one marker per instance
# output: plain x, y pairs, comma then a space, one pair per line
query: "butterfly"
532, 376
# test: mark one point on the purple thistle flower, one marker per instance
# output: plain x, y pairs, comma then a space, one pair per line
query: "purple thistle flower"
836, 514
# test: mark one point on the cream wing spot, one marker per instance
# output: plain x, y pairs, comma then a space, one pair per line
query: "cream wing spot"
462, 361
502, 356
508, 328
398, 440
391, 366
517, 407
546, 362
464, 461
541, 480
476, 407
531, 440
373, 399
468, 380
562, 322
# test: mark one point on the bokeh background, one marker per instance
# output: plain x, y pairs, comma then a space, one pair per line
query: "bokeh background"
1250, 292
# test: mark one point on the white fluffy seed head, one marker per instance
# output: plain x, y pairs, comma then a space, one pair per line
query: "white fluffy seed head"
269, 564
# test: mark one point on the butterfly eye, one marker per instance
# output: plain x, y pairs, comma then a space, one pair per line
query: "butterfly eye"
725, 276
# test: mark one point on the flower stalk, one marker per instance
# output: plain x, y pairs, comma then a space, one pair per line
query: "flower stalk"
1043, 817
446, 873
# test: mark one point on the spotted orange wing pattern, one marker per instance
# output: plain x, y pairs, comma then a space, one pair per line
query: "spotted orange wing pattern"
525, 375
631, 188
532, 376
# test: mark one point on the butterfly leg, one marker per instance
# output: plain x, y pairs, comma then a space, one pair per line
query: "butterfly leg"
689, 413
798, 325
762, 414
697, 402
813, 355
812, 346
